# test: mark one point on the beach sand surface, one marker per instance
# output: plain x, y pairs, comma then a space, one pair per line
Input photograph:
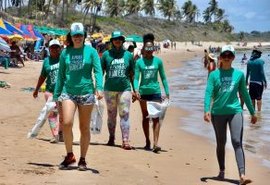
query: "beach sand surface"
185, 159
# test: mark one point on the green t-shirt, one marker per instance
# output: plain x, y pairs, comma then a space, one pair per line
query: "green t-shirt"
75, 72
222, 92
118, 66
148, 70
49, 71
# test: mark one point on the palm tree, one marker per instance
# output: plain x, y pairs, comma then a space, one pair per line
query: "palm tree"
219, 15
133, 6
213, 7
148, 7
167, 8
227, 27
190, 11
94, 6
114, 8
206, 15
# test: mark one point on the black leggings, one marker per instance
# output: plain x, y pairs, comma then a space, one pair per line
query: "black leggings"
235, 122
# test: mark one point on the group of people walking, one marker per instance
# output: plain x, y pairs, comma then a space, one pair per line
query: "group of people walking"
78, 83
74, 78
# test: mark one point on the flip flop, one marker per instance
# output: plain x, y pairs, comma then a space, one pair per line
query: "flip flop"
126, 146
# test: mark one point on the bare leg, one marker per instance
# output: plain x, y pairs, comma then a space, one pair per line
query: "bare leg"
84, 119
145, 124
69, 108
156, 129
259, 105
254, 105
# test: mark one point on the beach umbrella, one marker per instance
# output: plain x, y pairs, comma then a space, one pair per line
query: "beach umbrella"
4, 45
3, 31
12, 28
134, 38
15, 37
96, 35
106, 39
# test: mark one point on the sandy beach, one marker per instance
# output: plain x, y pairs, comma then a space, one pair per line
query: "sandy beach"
185, 159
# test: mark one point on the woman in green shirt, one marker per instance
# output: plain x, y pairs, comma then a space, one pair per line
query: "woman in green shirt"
76, 90
117, 65
148, 67
49, 73
221, 92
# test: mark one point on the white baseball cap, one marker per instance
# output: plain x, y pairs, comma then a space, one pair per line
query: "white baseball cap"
228, 48
76, 28
54, 42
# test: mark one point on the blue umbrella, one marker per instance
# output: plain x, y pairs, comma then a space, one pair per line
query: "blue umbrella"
4, 31
4, 45
12, 28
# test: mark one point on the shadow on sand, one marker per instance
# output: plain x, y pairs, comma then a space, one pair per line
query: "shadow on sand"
232, 181
69, 168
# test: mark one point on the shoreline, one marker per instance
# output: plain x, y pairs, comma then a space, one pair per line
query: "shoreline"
186, 158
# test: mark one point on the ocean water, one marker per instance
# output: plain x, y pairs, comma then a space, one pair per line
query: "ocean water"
187, 92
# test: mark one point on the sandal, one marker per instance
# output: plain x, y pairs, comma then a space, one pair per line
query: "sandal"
126, 146
156, 149
245, 181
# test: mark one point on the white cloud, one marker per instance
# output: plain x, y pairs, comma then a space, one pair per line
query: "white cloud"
250, 15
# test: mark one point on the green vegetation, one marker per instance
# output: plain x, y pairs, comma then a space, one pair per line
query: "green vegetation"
132, 17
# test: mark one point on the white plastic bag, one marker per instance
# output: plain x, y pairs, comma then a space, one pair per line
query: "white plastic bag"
157, 109
97, 117
49, 106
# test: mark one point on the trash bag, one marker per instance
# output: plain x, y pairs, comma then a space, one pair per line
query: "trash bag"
157, 109
49, 106
97, 117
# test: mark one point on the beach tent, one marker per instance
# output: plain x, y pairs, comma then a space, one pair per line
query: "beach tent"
27, 34
51, 31
12, 28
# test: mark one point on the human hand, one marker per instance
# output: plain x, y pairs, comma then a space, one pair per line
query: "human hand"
137, 94
207, 117
253, 119
35, 94
99, 95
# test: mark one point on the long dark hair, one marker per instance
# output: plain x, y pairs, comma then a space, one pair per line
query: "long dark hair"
69, 40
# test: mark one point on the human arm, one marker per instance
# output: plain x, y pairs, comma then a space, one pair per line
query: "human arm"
164, 79
245, 95
247, 73
263, 76
208, 96
61, 76
98, 74
136, 80
41, 80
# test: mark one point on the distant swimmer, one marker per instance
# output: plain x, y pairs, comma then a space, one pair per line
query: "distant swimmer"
244, 59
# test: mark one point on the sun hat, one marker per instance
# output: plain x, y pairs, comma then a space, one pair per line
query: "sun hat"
54, 42
76, 28
226, 48
117, 34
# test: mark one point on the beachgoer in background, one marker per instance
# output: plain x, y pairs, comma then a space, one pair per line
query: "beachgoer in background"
205, 58
244, 59
49, 73
257, 81
211, 66
16, 53
147, 69
222, 88
117, 64
75, 89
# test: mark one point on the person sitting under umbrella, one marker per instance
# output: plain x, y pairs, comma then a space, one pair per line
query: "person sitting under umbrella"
16, 53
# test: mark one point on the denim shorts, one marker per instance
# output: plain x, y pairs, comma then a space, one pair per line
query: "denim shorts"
87, 99
151, 97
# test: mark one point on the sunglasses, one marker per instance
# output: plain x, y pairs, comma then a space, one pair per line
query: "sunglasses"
149, 49
78, 35
118, 38
227, 55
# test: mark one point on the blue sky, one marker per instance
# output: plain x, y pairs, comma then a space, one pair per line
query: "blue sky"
244, 15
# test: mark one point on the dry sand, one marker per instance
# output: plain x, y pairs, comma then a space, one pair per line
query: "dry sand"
186, 159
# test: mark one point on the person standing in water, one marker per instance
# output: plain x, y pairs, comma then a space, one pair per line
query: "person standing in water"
221, 92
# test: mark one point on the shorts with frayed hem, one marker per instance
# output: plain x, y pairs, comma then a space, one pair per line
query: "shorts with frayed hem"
87, 99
